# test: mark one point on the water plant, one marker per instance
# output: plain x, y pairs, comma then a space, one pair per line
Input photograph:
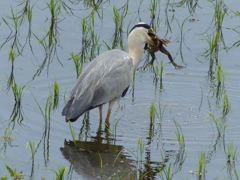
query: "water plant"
118, 17
51, 39
158, 72
56, 89
72, 133
12, 56
166, 172
14, 32
60, 172
152, 113
33, 149
231, 154
77, 62
190, 4
7, 135
220, 123
14, 174
17, 110
46, 112
202, 166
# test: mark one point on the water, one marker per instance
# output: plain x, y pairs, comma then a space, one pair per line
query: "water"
188, 96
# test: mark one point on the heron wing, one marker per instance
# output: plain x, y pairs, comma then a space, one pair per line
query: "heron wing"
105, 78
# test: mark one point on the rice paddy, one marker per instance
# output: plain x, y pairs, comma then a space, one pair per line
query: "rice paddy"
172, 124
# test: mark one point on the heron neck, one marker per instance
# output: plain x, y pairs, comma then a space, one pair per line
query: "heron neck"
136, 51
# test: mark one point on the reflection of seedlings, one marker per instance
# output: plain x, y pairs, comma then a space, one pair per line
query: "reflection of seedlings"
14, 174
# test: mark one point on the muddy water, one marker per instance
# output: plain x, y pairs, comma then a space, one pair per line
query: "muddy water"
134, 147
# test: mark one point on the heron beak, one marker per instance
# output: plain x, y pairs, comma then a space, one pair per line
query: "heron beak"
155, 39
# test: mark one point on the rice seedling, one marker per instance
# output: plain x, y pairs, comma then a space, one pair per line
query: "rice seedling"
226, 107
100, 163
190, 4
217, 85
115, 126
179, 136
152, 113
158, 72
77, 63
166, 172
12, 56
14, 174
161, 111
72, 133
14, 32
118, 17
202, 165
55, 94
60, 172
231, 154
140, 150
46, 112
182, 34
155, 18
33, 149
216, 37
51, 39
7, 135
220, 124
17, 110
90, 46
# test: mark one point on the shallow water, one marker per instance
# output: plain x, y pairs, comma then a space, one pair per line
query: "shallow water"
187, 97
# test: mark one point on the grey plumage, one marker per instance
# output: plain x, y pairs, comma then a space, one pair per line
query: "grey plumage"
104, 78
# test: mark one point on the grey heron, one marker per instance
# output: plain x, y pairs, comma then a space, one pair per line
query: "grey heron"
108, 76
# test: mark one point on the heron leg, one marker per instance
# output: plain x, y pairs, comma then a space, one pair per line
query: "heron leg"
111, 103
100, 112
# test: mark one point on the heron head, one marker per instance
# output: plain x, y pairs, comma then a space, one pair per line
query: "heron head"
146, 33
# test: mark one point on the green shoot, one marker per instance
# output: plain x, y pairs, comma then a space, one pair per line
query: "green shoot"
60, 173
14, 174
72, 133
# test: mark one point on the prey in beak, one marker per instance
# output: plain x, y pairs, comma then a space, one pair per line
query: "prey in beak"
158, 46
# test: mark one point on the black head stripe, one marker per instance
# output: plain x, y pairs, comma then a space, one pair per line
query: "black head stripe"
141, 25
